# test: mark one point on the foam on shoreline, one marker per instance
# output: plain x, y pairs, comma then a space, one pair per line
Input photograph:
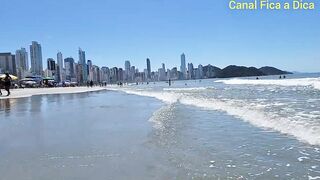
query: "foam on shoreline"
255, 116
313, 82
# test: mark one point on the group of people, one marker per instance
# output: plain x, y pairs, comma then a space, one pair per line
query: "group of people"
5, 84
91, 84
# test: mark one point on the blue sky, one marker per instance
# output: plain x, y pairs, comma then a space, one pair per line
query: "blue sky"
205, 30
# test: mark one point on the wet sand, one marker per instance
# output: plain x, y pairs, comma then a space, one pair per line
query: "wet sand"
78, 136
27, 92
112, 135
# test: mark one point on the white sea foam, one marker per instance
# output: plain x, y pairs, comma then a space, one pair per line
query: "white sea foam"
313, 82
300, 159
161, 116
166, 97
313, 178
187, 89
259, 118
251, 113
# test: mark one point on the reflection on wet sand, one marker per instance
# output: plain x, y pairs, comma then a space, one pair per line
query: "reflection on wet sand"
5, 104
35, 103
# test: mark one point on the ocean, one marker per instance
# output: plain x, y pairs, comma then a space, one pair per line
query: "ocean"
238, 128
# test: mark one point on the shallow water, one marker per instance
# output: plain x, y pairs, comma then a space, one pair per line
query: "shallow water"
202, 130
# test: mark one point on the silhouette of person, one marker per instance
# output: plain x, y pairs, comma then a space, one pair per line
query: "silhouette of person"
1, 86
91, 83
7, 83
169, 82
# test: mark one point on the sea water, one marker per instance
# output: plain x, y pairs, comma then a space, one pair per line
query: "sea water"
277, 119
239, 128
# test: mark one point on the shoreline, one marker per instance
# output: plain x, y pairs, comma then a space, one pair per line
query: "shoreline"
28, 92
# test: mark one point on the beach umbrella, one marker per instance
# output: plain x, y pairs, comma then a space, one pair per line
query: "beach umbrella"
2, 76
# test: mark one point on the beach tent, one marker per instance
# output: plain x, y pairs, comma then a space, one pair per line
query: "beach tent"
48, 78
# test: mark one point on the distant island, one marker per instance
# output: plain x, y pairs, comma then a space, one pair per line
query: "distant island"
242, 71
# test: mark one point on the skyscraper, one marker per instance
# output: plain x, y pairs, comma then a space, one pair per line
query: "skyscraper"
148, 69
162, 73
51, 68
22, 64
132, 73
127, 67
69, 66
82, 61
190, 71
105, 74
22, 59
60, 65
36, 58
200, 69
89, 63
7, 63
51, 64
183, 66
90, 70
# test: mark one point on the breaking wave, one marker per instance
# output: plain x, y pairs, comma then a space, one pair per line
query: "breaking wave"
254, 114
302, 130
313, 82
187, 89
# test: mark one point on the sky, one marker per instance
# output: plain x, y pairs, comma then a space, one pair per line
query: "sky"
207, 31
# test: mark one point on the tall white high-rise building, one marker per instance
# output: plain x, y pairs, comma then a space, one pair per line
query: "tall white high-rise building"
36, 58
8, 63
162, 73
90, 70
82, 61
22, 64
148, 76
183, 66
190, 71
127, 67
60, 66
69, 68
200, 69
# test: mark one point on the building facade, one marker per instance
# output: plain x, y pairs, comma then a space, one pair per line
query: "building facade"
82, 61
59, 67
22, 63
183, 66
148, 69
7, 63
36, 58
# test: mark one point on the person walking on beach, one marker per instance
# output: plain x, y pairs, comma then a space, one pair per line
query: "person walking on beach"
1, 86
7, 83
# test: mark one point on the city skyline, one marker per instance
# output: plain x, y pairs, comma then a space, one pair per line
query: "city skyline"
84, 70
208, 31
172, 63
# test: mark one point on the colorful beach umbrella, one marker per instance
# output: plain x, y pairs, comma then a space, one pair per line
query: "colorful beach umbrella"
2, 76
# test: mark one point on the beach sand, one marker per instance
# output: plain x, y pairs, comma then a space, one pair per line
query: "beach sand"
27, 92
95, 135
